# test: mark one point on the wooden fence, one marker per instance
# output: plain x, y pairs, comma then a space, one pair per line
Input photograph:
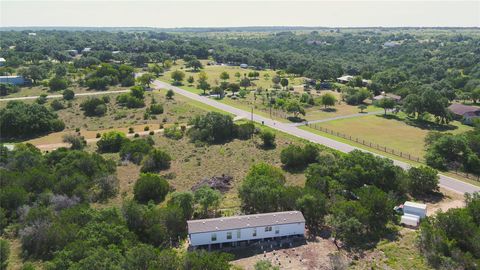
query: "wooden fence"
386, 149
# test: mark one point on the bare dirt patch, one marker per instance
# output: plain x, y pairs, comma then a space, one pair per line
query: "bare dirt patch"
312, 255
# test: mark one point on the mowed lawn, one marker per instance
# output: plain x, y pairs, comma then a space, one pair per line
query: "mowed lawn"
392, 133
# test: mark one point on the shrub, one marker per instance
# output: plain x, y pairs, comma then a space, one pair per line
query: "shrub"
173, 133
111, 142
130, 130
146, 128
245, 131
268, 138
94, 107
150, 187
98, 135
136, 135
151, 132
76, 142
293, 156
213, 127
57, 84
57, 105
156, 109
42, 99
6, 89
155, 161
4, 253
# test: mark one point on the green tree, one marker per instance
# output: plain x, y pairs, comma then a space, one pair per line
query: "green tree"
156, 69
328, 100
111, 142
245, 82
155, 161
150, 187
207, 260
146, 79
57, 84
213, 127
190, 80
68, 94
284, 82
422, 180
293, 106
177, 77
224, 76
362, 107
208, 198
170, 94
183, 200
234, 87
385, 103
268, 138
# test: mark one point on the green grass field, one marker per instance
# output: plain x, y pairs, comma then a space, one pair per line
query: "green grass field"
393, 133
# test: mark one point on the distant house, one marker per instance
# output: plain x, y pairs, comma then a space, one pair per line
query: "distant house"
243, 65
72, 52
390, 44
15, 80
383, 95
464, 113
115, 52
86, 50
2, 61
346, 78
243, 229
32, 34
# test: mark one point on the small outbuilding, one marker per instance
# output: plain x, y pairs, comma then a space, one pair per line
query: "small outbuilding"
237, 229
15, 80
412, 213
243, 65
464, 113
391, 96
2, 61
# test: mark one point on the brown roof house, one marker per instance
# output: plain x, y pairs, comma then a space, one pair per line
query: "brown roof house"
465, 113
383, 95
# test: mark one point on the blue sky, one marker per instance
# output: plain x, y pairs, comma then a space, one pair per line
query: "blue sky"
240, 13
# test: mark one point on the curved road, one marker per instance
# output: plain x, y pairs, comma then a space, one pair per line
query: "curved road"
445, 181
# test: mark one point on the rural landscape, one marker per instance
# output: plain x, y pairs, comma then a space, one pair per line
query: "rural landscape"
239, 148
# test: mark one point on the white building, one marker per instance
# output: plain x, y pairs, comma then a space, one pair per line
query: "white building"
2, 61
412, 213
207, 232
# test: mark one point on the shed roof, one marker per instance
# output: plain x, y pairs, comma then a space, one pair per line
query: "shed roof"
415, 205
461, 109
2, 59
238, 222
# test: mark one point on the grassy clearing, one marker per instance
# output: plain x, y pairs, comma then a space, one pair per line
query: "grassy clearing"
191, 163
399, 254
393, 133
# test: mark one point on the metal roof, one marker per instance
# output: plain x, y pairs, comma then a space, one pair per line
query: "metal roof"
461, 109
247, 221
415, 205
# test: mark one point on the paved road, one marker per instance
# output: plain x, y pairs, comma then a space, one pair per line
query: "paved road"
445, 181
61, 96
336, 118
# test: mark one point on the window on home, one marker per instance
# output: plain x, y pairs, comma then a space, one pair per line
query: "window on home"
229, 235
277, 230
268, 228
239, 234
254, 232
214, 237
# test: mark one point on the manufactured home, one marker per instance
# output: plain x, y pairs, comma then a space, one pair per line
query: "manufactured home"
237, 229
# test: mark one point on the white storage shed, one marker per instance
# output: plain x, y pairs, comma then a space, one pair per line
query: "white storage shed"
417, 209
